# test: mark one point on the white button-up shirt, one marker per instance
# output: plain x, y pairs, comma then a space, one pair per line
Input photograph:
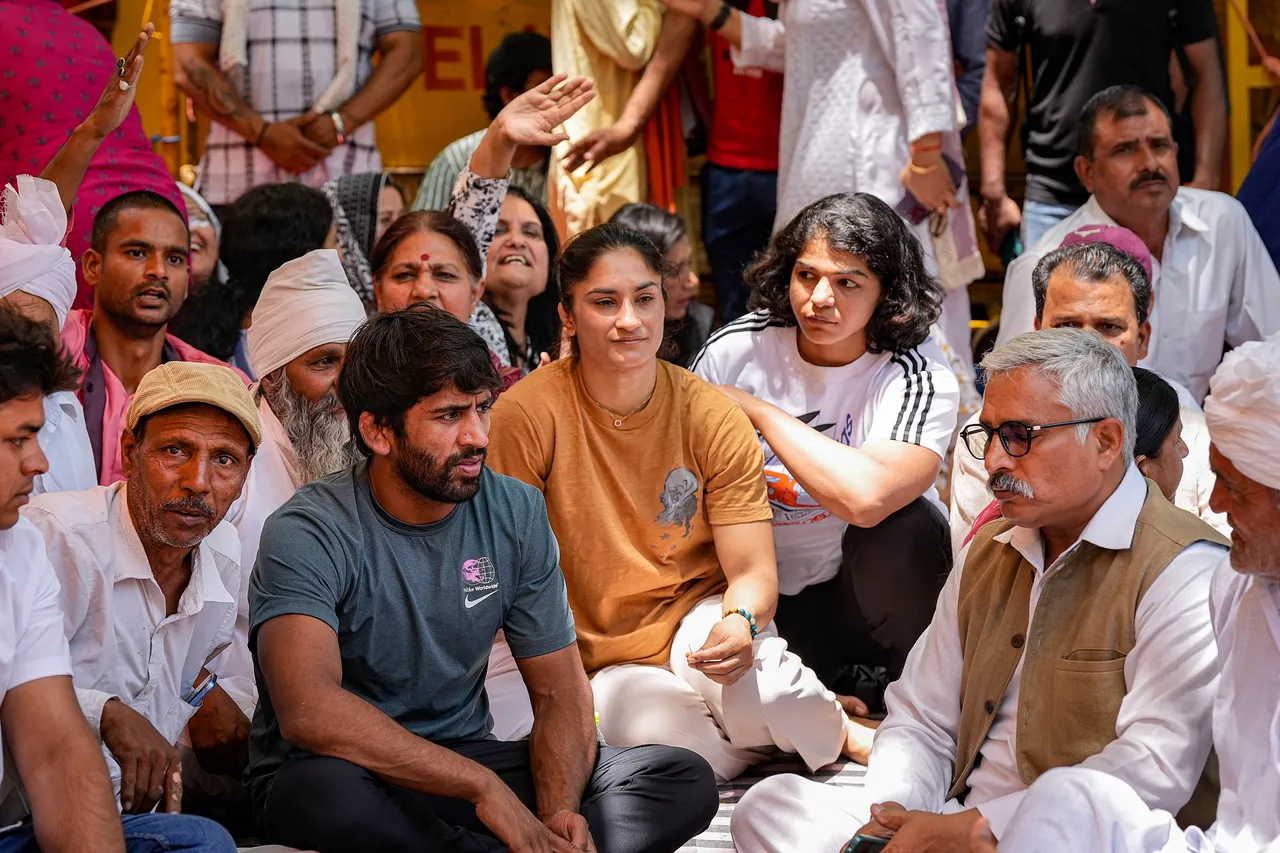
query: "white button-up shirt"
1215, 285
970, 496
1163, 728
32, 645
65, 442
123, 645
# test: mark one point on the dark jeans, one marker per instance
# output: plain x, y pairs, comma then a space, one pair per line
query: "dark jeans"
856, 630
650, 799
144, 833
738, 206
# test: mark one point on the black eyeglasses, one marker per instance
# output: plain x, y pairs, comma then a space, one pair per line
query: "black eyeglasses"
1014, 435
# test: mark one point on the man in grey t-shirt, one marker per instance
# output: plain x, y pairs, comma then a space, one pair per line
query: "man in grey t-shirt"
374, 603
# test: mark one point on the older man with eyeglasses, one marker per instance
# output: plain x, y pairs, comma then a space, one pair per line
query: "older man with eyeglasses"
1072, 633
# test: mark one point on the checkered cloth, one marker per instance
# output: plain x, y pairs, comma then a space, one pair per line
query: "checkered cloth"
842, 774
293, 50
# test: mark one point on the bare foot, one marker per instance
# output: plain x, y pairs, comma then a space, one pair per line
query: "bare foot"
853, 706
858, 735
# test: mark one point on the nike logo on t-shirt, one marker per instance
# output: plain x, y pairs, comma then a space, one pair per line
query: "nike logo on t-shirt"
470, 604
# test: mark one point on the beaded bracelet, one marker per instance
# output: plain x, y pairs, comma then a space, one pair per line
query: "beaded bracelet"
750, 619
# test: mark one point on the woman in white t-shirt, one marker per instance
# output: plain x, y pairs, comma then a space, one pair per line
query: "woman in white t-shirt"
855, 407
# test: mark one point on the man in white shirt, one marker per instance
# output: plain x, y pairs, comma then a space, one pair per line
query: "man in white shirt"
991, 697
1215, 285
148, 569
59, 768
1098, 280
1076, 809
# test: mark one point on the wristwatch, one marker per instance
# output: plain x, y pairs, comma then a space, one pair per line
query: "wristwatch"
197, 697
722, 17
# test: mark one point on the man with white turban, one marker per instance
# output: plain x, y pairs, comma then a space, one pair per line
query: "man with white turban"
1074, 809
38, 277
300, 327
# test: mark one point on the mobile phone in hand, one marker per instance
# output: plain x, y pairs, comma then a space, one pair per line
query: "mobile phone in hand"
865, 844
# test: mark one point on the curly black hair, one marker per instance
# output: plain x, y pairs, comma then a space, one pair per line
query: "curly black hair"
863, 225
32, 361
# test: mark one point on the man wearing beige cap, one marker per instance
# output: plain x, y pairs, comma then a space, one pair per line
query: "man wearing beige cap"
148, 572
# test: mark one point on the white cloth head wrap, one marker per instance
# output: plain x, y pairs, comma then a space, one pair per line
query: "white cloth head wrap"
306, 303
1243, 410
32, 258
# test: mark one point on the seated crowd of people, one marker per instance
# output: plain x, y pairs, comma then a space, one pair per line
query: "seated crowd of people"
490, 543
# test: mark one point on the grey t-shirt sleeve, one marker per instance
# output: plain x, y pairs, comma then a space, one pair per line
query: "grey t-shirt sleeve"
301, 570
539, 621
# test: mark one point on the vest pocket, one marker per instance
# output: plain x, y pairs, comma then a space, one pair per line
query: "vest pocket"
1086, 702
1092, 660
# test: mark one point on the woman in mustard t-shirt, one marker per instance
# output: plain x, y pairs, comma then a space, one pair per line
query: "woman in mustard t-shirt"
655, 489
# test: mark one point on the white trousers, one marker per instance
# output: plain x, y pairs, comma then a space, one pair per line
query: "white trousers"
1072, 809
508, 697
791, 814
779, 703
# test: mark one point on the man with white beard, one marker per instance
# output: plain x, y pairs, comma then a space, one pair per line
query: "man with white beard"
306, 314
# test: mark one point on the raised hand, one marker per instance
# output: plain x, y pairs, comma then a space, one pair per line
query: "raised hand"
532, 118
114, 104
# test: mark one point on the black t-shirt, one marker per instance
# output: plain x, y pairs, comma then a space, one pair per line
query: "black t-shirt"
1078, 48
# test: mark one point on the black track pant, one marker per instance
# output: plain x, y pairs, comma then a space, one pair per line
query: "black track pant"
650, 799
870, 614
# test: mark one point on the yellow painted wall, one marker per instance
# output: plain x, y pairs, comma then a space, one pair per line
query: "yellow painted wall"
441, 105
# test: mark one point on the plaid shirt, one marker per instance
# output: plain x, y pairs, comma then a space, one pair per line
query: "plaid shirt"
292, 50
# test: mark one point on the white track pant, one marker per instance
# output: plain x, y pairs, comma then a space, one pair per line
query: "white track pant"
778, 703
1074, 809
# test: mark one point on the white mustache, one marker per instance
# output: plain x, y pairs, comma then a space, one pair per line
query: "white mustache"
1010, 483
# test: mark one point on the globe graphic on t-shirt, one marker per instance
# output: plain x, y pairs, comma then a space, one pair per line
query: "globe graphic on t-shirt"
477, 571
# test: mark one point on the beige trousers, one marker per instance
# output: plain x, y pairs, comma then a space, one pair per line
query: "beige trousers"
779, 703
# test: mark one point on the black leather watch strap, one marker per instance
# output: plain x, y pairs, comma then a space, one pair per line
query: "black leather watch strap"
722, 16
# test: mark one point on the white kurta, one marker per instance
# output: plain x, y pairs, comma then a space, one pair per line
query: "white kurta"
1162, 730
970, 496
861, 79
1215, 285
65, 442
1080, 810
123, 644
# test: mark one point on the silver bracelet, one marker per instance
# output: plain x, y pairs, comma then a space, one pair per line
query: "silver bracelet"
336, 118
